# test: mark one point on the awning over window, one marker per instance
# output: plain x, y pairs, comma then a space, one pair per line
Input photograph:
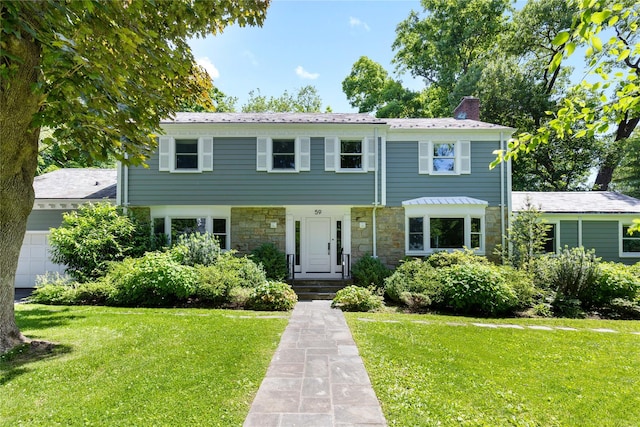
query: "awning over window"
450, 200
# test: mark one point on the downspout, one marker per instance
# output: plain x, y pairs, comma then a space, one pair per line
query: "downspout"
502, 198
376, 200
125, 186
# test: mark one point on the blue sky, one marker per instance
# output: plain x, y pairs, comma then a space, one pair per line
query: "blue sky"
303, 43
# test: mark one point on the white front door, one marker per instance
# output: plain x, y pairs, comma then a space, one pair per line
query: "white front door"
318, 245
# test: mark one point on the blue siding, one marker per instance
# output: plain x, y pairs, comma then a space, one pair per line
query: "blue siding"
404, 182
235, 181
43, 220
603, 236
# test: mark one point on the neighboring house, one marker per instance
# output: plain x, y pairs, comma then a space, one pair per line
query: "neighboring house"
596, 220
327, 189
55, 193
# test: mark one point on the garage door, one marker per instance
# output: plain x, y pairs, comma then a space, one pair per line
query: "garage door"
34, 259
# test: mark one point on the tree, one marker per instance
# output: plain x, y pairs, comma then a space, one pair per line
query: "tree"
626, 178
102, 75
616, 67
220, 102
305, 100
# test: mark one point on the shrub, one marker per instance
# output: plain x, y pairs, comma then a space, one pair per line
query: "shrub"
93, 293
476, 289
521, 282
273, 296
197, 249
614, 281
356, 298
415, 301
273, 261
369, 271
155, 279
574, 271
53, 288
619, 308
446, 259
94, 235
239, 297
414, 276
543, 310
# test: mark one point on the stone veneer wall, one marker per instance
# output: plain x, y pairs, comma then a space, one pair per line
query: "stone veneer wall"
391, 233
251, 227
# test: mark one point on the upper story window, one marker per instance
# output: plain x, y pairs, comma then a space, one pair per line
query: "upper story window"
444, 157
185, 155
349, 155
630, 243
283, 154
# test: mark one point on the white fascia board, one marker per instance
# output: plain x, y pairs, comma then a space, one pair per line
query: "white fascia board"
446, 134
57, 204
253, 130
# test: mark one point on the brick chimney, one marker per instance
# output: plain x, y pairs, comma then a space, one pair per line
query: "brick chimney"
469, 108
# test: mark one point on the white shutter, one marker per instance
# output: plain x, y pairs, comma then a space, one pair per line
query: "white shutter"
464, 157
369, 152
165, 148
303, 152
425, 157
205, 153
262, 154
330, 154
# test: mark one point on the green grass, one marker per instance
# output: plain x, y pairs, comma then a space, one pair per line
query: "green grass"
434, 373
137, 367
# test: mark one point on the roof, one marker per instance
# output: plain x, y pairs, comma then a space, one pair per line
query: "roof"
591, 202
450, 200
90, 184
329, 118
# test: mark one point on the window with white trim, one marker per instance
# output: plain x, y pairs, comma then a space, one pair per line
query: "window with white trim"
550, 238
349, 155
178, 226
185, 155
283, 154
630, 243
444, 157
431, 233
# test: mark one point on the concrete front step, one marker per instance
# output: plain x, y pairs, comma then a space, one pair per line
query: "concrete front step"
318, 289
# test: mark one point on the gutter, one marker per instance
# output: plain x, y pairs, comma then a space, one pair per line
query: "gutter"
376, 200
502, 201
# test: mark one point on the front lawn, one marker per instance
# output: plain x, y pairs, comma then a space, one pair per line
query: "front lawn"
445, 371
138, 367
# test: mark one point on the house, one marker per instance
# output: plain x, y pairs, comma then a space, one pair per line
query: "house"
327, 189
55, 193
596, 220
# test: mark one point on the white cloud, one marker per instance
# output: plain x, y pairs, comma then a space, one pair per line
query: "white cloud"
304, 74
206, 63
357, 23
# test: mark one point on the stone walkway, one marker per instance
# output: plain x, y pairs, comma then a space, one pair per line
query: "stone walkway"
316, 377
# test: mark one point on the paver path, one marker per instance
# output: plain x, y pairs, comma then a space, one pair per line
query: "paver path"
316, 377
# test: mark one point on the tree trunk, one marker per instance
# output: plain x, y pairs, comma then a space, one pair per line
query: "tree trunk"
613, 158
18, 162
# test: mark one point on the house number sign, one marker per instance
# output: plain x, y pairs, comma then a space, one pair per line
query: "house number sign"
318, 211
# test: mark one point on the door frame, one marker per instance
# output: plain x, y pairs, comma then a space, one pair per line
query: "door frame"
335, 213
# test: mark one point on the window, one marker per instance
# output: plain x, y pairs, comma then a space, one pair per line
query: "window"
444, 223
180, 226
185, 155
630, 242
444, 158
550, 241
220, 231
283, 154
350, 154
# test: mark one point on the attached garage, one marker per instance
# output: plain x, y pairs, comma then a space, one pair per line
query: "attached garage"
58, 192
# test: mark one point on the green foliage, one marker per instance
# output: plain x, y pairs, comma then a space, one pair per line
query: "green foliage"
217, 282
573, 274
446, 259
521, 282
415, 277
369, 271
273, 261
198, 248
155, 279
61, 290
621, 308
306, 100
614, 281
476, 289
415, 301
356, 298
527, 237
94, 235
273, 296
